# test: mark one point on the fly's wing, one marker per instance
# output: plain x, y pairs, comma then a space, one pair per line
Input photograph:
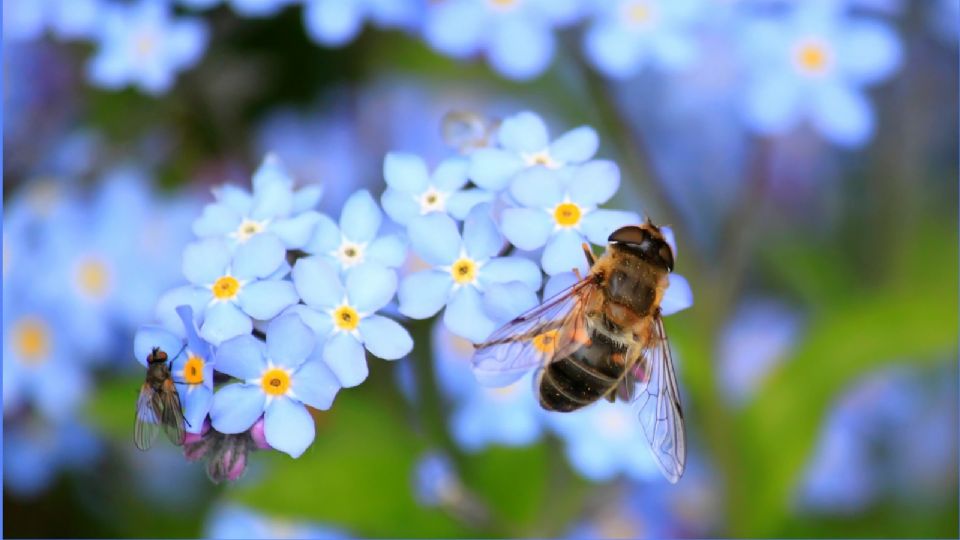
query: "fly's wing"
652, 385
172, 415
551, 330
147, 422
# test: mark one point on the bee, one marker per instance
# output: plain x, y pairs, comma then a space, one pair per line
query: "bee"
158, 404
603, 337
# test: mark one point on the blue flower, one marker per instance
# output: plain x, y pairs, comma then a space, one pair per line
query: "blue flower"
140, 44
435, 482
412, 191
343, 315
236, 522
68, 19
559, 211
813, 63
244, 8
466, 270
229, 291
34, 452
516, 36
629, 34
274, 209
337, 22
276, 381
524, 145
355, 241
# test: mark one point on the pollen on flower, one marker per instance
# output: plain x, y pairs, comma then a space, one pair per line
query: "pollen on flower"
31, 340
464, 271
812, 57
346, 318
225, 288
275, 382
247, 229
193, 370
93, 278
542, 158
567, 214
432, 200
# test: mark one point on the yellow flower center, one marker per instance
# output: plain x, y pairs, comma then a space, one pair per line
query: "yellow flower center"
541, 158
504, 5
546, 342
638, 13
812, 57
567, 214
193, 370
93, 278
247, 229
31, 340
464, 271
275, 382
225, 288
145, 44
346, 318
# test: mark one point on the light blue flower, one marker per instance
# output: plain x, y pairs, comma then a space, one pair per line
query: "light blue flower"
244, 8
559, 211
336, 22
236, 522
343, 315
142, 45
276, 381
67, 19
466, 276
413, 191
230, 290
274, 208
517, 36
524, 145
355, 241
34, 452
628, 35
813, 63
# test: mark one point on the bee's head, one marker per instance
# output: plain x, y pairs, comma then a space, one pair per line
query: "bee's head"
156, 356
645, 240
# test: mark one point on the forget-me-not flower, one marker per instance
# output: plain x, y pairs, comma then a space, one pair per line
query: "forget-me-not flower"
523, 144
277, 381
244, 8
559, 211
413, 191
233, 521
337, 22
141, 44
343, 315
465, 269
67, 19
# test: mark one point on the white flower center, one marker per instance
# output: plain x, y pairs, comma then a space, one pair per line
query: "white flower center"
350, 253
432, 200
247, 229
543, 158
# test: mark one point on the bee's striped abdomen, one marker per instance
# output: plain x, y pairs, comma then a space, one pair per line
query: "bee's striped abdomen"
583, 376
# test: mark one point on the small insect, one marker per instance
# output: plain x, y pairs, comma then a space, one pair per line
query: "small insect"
158, 404
603, 337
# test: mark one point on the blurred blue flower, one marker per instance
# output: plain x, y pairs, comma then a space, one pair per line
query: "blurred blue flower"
630, 34
35, 451
236, 522
524, 145
517, 36
813, 63
274, 208
67, 19
244, 8
435, 482
413, 191
355, 241
277, 381
230, 290
466, 276
142, 45
343, 315
559, 211
337, 22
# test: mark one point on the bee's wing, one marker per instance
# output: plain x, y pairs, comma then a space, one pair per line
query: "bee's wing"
652, 385
510, 351
172, 414
147, 423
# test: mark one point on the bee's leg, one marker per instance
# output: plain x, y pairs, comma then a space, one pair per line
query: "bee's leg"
589, 253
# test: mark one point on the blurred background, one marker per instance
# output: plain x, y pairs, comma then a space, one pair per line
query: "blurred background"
813, 193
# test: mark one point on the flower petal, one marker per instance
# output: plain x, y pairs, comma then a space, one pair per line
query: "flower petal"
563, 252
451, 174
466, 317
236, 407
370, 286
272, 198
385, 338
325, 238
345, 357
405, 172
842, 114
288, 426
360, 218
289, 341
493, 168
196, 405
317, 282
242, 357
506, 269
423, 294
320, 323
216, 220
598, 225
205, 261
523, 132
868, 51
537, 187
399, 205
504, 301
461, 202
187, 295
259, 257
295, 232
772, 104
677, 297
315, 385
594, 183
149, 336
390, 251
560, 282
223, 321
520, 48
265, 299
526, 228
481, 239
575, 146
435, 238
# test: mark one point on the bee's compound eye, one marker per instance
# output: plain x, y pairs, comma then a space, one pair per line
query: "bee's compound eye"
630, 234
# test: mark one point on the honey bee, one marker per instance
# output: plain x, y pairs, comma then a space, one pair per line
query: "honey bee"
158, 404
603, 337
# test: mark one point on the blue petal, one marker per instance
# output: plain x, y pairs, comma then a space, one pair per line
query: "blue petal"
390, 251
563, 252
289, 341
560, 282
521, 47
504, 301
868, 51
242, 357
523, 132
288, 426
451, 174
370, 286
196, 405
598, 225
385, 338
461, 202
332, 22
435, 238
505, 269
318, 283
60, 389
271, 171
481, 239
205, 261
406, 173
466, 317
321, 324
842, 114
223, 321
264, 300
575, 146
296, 231
345, 357
235, 197
315, 385
424, 293
537, 187
307, 198
194, 343
668, 235
455, 28
271, 200
187, 295
613, 50
773, 104
399, 205
677, 297
258, 257
326, 237
526, 228
360, 218
493, 168
148, 337
236, 407
216, 220
594, 183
